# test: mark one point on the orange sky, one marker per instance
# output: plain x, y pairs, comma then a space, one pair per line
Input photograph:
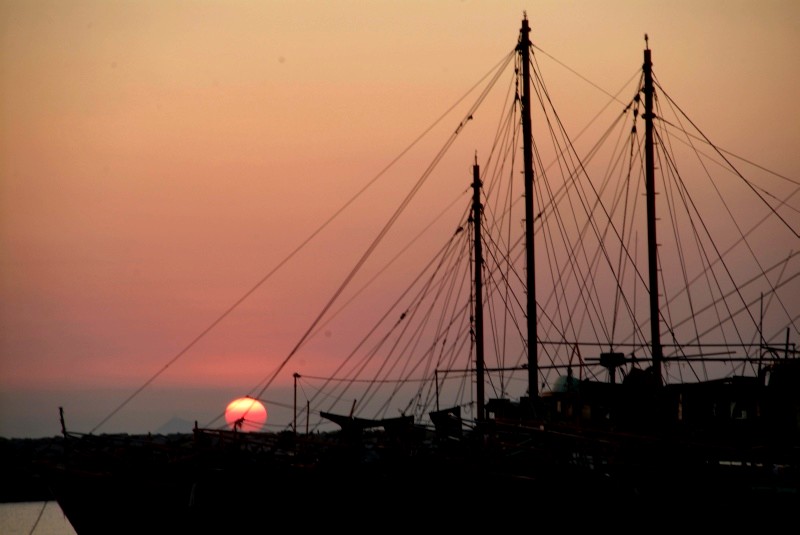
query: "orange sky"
158, 158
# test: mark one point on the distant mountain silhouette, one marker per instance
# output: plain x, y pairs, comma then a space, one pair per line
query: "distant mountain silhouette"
175, 425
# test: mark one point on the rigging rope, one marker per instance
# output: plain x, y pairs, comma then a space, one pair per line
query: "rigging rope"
387, 226
497, 68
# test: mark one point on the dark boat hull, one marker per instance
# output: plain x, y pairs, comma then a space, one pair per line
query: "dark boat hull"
255, 482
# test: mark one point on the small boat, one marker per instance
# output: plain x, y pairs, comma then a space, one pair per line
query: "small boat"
546, 360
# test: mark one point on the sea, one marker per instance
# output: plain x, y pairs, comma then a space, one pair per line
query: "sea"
33, 518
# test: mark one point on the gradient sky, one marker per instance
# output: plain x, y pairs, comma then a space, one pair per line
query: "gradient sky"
158, 158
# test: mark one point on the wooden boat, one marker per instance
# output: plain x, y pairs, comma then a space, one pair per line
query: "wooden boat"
628, 400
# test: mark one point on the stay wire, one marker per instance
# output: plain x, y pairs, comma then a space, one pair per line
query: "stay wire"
395, 216
733, 168
496, 68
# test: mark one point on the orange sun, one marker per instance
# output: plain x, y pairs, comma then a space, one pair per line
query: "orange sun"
250, 414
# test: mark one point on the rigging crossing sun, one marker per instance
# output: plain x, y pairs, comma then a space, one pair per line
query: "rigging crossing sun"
246, 414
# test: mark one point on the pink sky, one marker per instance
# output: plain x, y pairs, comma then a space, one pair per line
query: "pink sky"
158, 158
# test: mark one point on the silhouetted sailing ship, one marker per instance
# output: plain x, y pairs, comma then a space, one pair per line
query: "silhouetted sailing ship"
624, 401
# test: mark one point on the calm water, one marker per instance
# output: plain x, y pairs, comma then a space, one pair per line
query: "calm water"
21, 519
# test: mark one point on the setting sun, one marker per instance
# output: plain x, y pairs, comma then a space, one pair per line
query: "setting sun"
248, 412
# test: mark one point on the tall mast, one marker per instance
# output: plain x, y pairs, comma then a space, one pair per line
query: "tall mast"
652, 244
477, 208
523, 48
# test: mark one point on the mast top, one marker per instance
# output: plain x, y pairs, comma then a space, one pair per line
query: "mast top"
524, 35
